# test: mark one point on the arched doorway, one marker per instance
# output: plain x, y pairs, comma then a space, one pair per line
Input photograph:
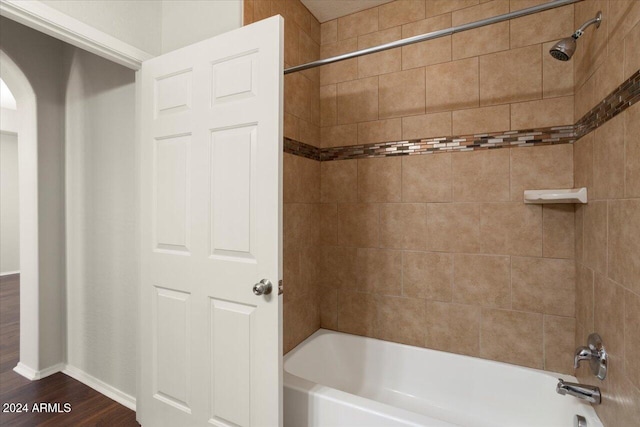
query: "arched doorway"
29, 364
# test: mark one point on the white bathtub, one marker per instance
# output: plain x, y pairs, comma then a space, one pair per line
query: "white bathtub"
334, 379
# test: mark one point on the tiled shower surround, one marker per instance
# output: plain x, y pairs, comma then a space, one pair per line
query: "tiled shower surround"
607, 162
439, 250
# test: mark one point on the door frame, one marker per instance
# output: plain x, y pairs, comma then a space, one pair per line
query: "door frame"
43, 18
47, 20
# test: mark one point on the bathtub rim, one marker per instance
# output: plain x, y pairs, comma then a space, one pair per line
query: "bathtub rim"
321, 332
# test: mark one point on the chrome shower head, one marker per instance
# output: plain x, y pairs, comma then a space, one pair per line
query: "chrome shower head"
565, 48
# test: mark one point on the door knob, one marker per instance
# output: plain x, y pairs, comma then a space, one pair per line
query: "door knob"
263, 288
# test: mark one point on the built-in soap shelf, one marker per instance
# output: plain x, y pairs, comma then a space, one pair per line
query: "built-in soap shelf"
571, 195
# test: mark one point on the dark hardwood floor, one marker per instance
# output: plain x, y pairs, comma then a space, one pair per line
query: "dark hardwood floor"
88, 407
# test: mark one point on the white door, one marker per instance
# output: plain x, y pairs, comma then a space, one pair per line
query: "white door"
211, 164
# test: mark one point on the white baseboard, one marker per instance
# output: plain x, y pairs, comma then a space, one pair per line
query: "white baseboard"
25, 371
33, 375
9, 273
101, 387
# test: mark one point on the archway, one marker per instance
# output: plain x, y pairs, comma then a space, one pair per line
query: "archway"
29, 364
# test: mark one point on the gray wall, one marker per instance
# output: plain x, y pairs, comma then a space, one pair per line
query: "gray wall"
189, 21
156, 26
9, 209
102, 251
40, 58
137, 22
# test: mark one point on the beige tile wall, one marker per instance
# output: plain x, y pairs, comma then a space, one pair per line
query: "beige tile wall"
301, 235
607, 162
440, 251
489, 79
301, 44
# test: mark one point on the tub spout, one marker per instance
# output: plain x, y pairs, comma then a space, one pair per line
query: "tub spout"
581, 391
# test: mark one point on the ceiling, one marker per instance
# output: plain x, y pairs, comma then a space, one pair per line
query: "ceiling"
326, 10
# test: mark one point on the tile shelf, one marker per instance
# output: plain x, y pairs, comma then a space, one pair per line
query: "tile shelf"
571, 195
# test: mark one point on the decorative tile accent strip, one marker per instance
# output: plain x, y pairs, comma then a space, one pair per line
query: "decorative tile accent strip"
298, 148
486, 141
627, 94
623, 97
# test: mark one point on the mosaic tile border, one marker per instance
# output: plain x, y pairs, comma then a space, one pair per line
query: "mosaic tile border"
623, 97
627, 94
298, 148
485, 141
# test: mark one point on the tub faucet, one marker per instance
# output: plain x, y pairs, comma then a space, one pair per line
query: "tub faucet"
583, 353
581, 391
595, 354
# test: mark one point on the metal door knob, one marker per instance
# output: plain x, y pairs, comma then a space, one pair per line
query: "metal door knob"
262, 288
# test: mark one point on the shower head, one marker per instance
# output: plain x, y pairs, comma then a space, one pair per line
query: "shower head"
565, 48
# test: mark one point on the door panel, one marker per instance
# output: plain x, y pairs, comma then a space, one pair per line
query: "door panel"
211, 135
171, 193
233, 189
173, 93
235, 78
231, 327
171, 377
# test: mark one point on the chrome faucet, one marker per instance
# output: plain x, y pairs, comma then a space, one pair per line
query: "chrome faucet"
582, 353
595, 353
581, 391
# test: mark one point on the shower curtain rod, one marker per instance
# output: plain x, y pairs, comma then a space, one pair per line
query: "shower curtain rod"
432, 35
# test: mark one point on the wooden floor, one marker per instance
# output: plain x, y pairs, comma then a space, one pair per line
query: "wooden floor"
88, 407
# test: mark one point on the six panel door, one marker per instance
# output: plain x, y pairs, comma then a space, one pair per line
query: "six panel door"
211, 165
